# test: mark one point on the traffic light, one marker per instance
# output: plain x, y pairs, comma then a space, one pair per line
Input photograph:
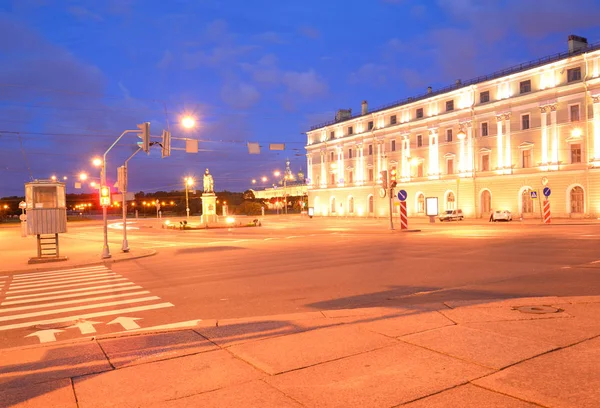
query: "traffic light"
383, 175
145, 136
105, 196
166, 143
393, 181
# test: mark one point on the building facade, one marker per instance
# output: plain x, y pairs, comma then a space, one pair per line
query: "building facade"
483, 145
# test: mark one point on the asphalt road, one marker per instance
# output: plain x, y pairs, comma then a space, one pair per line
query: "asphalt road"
293, 264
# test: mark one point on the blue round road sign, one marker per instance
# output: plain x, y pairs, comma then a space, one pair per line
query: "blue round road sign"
547, 191
402, 195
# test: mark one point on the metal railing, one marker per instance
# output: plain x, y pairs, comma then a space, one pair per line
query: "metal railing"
483, 78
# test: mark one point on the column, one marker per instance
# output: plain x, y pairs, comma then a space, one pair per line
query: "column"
554, 129
323, 169
405, 157
384, 165
434, 162
378, 157
341, 167
500, 142
508, 157
461, 154
469, 166
544, 135
596, 100
361, 164
309, 169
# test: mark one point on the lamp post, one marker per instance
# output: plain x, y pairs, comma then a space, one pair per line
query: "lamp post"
188, 182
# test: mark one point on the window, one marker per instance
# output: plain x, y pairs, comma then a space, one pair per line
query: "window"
419, 113
350, 130
450, 201
331, 135
484, 97
525, 86
370, 125
420, 169
450, 166
393, 146
371, 205
333, 205
524, 122
351, 205
485, 162
484, 129
370, 150
448, 135
574, 113
575, 153
421, 204
574, 74
332, 156
370, 174
577, 200
526, 158
419, 140
486, 202
349, 153
449, 106
526, 202
332, 179
393, 120
350, 176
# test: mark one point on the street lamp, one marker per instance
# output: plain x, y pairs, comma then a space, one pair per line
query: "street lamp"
188, 122
189, 181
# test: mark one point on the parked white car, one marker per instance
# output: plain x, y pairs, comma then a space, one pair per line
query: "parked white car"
450, 215
502, 216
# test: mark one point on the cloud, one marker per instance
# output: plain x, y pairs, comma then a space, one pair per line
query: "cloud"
371, 73
270, 37
83, 13
310, 32
240, 95
306, 83
166, 60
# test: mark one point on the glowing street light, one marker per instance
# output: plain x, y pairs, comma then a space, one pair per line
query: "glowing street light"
97, 161
264, 179
83, 176
188, 122
189, 181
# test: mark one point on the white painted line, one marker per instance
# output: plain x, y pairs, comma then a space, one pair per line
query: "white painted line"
28, 275
68, 291
293, 236
189, 323
63, 280
72, 295
73, 309
269, 239
70, 302
67, 286
87, 316
59, 276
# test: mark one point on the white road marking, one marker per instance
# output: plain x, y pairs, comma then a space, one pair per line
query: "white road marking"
63, 280
179, 325
59, 276
95, 292
128, 323
46, 336
71, 302
117, 285
72, 309
293, 236
85, 327
87, 316
49, 273
68, 286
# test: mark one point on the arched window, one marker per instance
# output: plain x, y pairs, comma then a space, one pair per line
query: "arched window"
577, 200
450, 201
486, 202
333, 205
421, 204
370, 204
351, 205
526, 202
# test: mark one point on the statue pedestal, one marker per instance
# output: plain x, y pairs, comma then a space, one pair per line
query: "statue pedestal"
209, 208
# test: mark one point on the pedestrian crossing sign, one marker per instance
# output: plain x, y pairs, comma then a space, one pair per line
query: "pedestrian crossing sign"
534, 194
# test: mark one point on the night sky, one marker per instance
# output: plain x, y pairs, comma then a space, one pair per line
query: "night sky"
74, 74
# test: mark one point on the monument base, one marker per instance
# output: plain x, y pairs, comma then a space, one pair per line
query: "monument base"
209, 208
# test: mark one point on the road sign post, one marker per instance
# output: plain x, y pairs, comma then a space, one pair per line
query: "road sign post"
403, 213
547, 215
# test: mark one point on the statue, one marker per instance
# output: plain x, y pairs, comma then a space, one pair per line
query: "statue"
209, 184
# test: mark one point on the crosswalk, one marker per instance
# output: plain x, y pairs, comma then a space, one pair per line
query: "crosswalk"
60, 296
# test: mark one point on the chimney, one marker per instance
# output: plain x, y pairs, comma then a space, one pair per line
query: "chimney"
428, 89
365, 107
577, 43
458, 82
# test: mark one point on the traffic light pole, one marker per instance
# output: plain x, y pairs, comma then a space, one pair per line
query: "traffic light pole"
125, 246
390, 200
105, 249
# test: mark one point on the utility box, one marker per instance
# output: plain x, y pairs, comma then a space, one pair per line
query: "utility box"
46, 207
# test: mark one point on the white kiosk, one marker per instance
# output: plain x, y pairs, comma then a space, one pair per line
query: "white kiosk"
46, 217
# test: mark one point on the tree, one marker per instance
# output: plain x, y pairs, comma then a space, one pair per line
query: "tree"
248, 195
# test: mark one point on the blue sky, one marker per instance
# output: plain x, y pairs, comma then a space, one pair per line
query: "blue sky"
74, 74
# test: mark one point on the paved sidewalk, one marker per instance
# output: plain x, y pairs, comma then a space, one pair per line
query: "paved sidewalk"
535, 352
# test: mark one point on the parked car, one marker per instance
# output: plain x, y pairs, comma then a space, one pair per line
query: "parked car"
501, 216
450, 215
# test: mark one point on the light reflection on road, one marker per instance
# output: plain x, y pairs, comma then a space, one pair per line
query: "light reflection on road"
119, 226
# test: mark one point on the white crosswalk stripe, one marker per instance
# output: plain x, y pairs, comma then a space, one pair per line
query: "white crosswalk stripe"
37, 298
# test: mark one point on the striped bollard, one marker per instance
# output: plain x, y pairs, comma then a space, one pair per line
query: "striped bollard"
403, 216
546, 212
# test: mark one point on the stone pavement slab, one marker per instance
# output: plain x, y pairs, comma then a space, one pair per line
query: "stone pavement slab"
478, 346
381, 378
491, 314
143, 384
566, 378
51, 394
141, 349
409, 323
280, 354
36, 365
253, 394
469, 396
